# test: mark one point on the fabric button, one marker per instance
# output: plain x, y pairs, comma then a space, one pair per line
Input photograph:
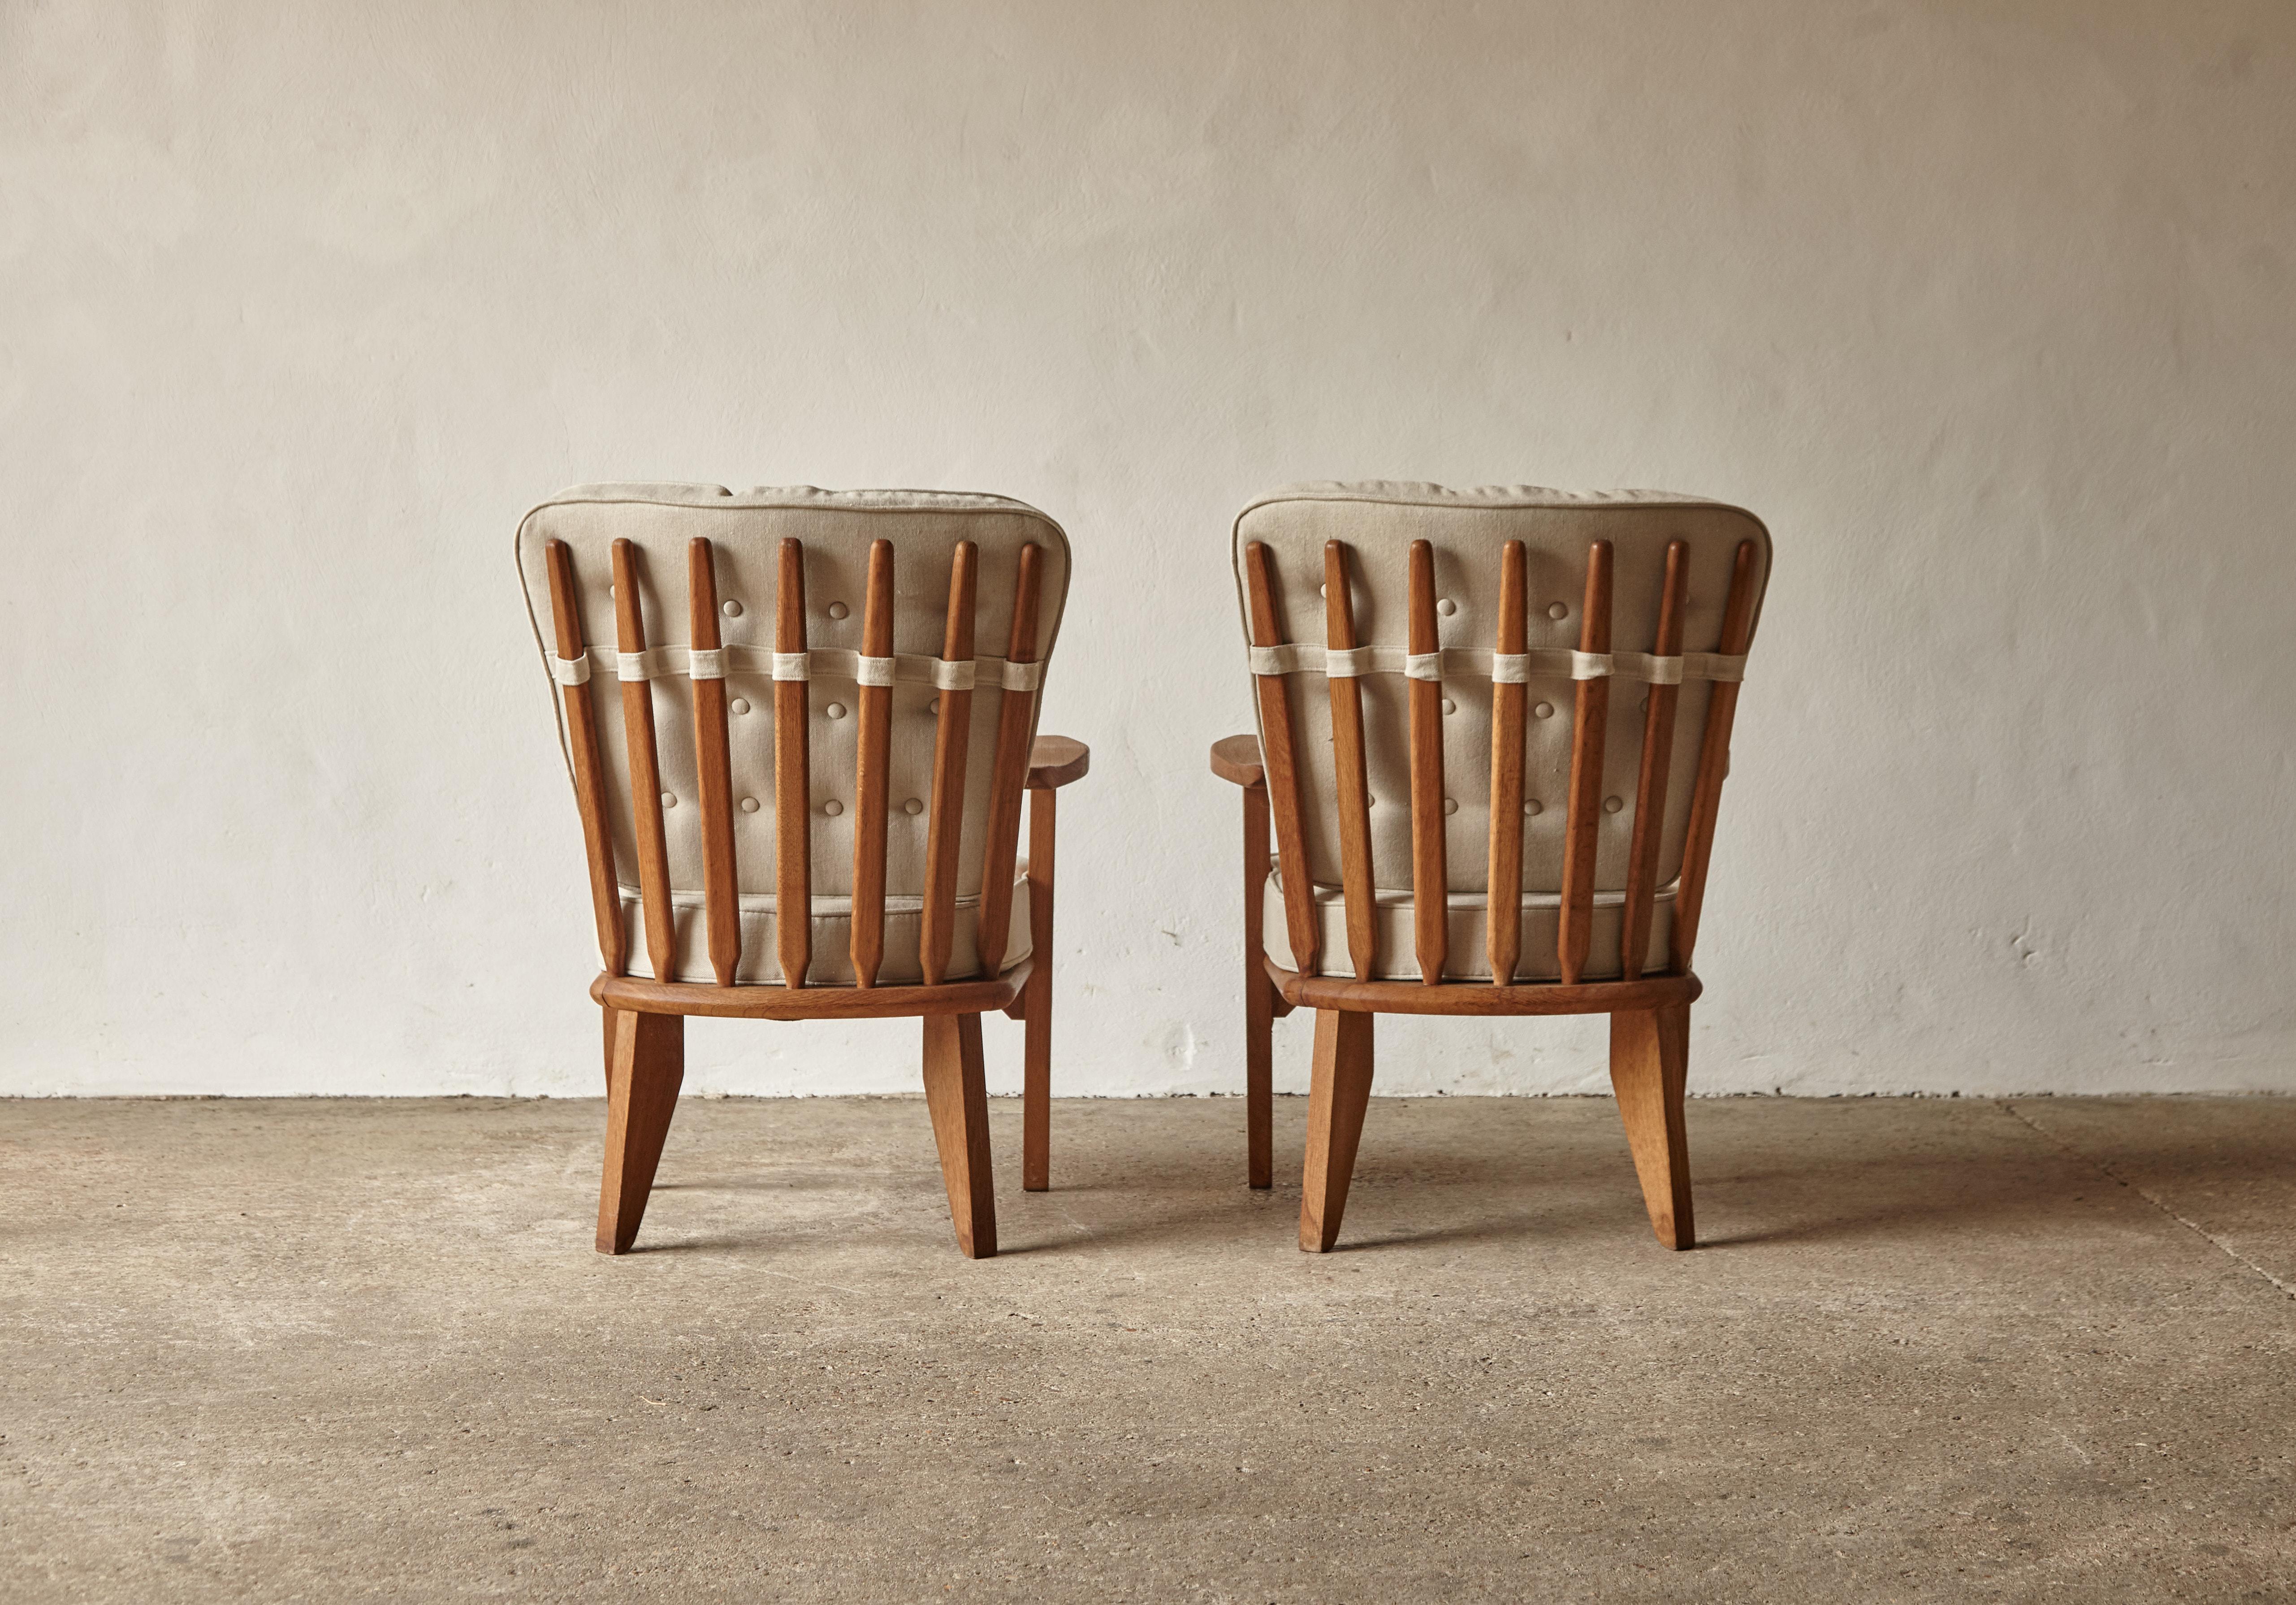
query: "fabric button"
669, 800
835, 710
1450, 805
837, 610
739, 705
1559, 611
1533, 808
913, 808
1447, 607
1544, 710
833, 807
1611, 805
749, 805
1450, 706
732, 610
933, 706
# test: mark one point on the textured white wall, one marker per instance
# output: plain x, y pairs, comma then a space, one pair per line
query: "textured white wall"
1985, 307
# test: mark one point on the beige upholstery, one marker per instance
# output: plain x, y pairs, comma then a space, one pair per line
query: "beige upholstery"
837, 528
1467, 530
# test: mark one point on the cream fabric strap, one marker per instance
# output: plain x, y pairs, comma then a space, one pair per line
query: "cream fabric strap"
826, 663
569, 671
1503, 668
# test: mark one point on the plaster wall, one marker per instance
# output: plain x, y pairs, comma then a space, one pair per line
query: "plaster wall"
1984, 307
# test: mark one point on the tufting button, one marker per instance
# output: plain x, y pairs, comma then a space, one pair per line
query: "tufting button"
1450, 805
933, 706
1559, 611
732, 610
1611, 805
1447, 607
738, 705
913, 808
749, 805
669, 800
835, 710
1544, 710
833, 807
1450, 706
837, 610
1533, 808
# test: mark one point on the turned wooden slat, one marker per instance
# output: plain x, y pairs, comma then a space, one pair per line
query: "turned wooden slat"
793, 778
1356, 887
1650, 788
1592, 710
1504, 938
944, 834
1713, 760
714, 762
1281, 760
1009, 770
645, 770
1430, 876
589, 776
873, 707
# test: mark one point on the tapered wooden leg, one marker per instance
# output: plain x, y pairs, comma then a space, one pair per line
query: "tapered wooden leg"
956, 1093
1037, 1028
1650, 1062
607, 1015
1259, 1031
1336, 1100
641, 1097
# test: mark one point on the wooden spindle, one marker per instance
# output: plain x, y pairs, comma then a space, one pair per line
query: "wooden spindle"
714, 763
1504, 938
1713, 760
645, 773
589, 775
1430, 877
1281, 760
793, 778
871, 801
1356, 887
944, 833
1008, 774
1650, 788
1575, 933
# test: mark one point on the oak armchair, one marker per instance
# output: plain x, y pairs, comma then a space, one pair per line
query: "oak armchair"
1461, 825
793, 714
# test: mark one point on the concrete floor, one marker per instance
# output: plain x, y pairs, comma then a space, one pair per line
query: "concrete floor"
1931, 1349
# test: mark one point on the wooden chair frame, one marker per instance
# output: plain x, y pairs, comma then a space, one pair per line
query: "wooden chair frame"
1649, 1014
644, 1018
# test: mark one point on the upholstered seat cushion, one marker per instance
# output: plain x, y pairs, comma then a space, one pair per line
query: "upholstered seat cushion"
832, 939
1467, 924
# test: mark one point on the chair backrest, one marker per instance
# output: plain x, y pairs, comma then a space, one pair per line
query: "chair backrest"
798, 699
1401, 636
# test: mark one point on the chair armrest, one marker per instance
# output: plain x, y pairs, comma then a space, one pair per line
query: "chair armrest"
1055, 760
1236, 758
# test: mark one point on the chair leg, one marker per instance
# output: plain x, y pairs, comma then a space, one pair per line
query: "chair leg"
1336, 1100
956, 1094
607, 1015
1650, 1062
1259, 1030
1036, 1023
641, 1096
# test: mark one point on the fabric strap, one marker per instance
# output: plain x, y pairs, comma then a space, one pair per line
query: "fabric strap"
1503, 668
569, 671
827, 663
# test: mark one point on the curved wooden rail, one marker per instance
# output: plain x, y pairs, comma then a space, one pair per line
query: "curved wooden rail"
1480, 997
637, 995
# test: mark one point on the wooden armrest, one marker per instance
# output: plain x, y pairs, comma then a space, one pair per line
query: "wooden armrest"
1055, 760
1236, 758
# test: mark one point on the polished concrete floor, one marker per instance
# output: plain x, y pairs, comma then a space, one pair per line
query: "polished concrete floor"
1931, 1349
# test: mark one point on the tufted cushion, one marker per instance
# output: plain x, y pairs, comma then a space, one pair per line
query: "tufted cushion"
837, 528
1379, 522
